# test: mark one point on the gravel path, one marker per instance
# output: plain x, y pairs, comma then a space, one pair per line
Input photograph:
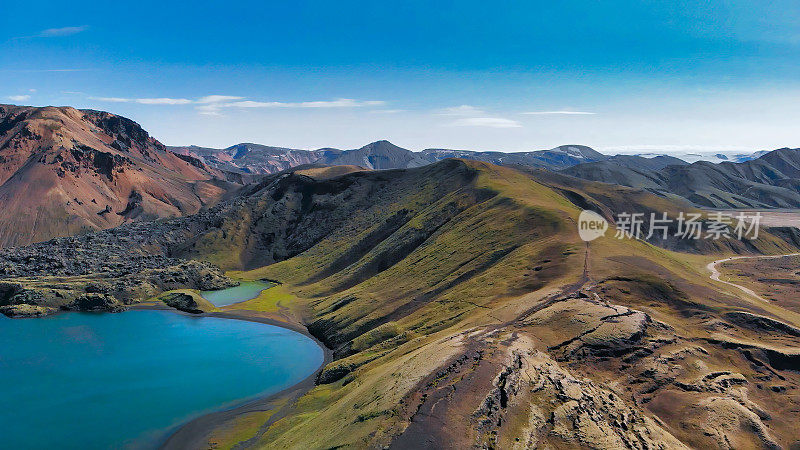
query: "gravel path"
715, 274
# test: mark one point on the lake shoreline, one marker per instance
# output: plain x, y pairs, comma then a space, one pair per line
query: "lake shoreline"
193, 434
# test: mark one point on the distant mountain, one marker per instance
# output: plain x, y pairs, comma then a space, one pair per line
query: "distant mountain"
64, 171
626, 170
771, 180
251, 158
377, 155
262, 159
557, 158
639, 162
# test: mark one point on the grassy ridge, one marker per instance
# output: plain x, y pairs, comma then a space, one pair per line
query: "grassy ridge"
403, 272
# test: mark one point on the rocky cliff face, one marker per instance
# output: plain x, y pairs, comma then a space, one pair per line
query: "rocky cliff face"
65, 171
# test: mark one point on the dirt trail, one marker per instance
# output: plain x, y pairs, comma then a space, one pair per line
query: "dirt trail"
715, 274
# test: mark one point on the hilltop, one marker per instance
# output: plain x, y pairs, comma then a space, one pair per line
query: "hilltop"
65, 171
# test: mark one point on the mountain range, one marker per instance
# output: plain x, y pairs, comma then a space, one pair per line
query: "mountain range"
260, 159
263, 159
769, 181
65, 171
759, 180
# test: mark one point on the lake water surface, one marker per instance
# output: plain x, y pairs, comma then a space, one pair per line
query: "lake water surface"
246, 290
82, 380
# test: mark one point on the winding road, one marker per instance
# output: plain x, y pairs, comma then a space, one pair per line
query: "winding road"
715, 274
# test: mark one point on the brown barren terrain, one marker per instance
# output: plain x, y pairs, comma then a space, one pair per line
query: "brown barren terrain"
65, 171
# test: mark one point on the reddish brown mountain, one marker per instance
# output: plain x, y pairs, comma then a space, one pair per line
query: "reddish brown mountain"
65, 171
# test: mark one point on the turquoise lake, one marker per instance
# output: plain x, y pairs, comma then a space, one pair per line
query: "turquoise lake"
127, 380
246, 290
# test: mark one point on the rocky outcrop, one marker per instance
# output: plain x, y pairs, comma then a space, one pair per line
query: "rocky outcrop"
727, 417
603, 329
95, 303
730, 424
526, 399
134, 206
122, 264
8, 291
194, 274
129, 250
580, 413
181, 301
126, 131
17, 299
103, 163
113, 293
24, 310
334, 372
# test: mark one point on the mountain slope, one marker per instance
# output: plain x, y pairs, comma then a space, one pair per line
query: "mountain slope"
483, 316
65, 171
463, 310
772, 180
625, 170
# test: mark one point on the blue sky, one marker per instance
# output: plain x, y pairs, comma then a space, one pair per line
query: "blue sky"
506, 75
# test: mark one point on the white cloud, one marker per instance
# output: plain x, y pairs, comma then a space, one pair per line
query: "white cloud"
144, 101
31, 90
64, 31
218, 98
209, 110
463, 110
475, 117
163, 101
212, 105
553, 113
112, 99
19, 98
252, 104
338, 103
491, 122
